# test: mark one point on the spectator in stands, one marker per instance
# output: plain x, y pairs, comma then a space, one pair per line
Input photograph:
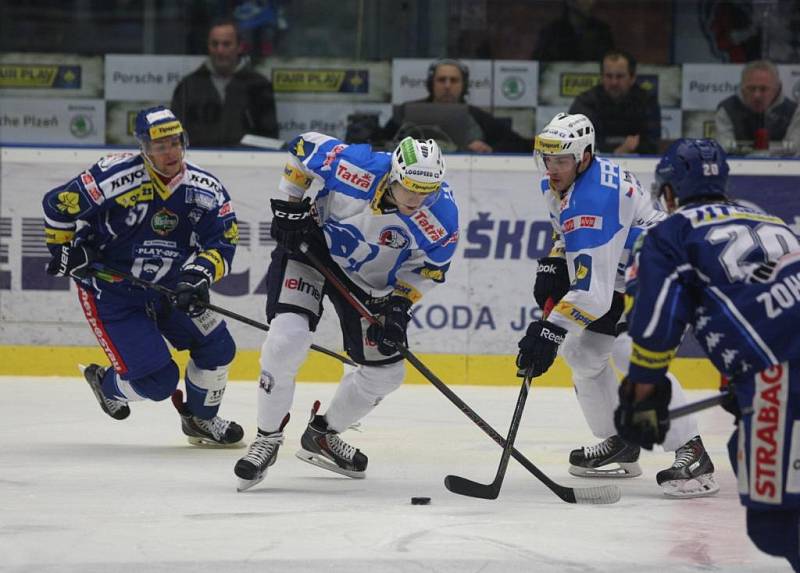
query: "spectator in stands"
224, 99
576, 36
448, 82
627, 117
759, 114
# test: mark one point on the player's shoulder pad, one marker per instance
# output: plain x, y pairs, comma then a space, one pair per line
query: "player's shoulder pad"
544, 185
438, 220
308, 144
115, 174
591, 196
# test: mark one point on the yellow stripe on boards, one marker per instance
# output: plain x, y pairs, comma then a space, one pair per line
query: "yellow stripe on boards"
452, 369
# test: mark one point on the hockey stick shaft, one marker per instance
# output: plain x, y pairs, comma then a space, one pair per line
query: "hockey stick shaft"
602, 494
703, 404
102, 271
464, 486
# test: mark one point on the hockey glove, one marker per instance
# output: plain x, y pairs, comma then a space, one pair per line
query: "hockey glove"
291, 222
645, 421
71, 261
393, 329
191, 294
552, 280
538, 348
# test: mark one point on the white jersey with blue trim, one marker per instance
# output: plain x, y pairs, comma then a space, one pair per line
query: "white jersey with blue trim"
596, 222
378, 248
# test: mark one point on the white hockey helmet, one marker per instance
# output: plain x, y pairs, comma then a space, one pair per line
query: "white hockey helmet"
418, 165
565, 134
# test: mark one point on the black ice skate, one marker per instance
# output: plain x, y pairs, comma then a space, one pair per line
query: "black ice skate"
263, 452
214, 432
691, 474
619, 455
117, 409
323, 447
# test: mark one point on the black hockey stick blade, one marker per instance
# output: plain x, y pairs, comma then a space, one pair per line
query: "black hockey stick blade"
469, 488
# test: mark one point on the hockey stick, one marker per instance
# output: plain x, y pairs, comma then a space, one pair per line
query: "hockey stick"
113, 275
468, 487
687, 409
586, 495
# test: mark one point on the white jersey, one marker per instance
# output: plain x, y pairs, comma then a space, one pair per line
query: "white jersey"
596, 223
378, 248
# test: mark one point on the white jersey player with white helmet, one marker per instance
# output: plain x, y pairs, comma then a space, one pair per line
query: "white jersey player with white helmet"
598, 210
386, 225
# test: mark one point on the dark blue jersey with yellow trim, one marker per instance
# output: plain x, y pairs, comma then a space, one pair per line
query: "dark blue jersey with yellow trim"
706, 267
140, 225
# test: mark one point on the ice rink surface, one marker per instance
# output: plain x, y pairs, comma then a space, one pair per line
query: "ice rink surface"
82, 492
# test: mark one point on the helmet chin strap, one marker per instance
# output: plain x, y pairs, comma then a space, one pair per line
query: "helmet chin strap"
152, 164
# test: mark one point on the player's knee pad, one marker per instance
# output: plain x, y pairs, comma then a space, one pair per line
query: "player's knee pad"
379, 381
621, 352
775, 532
287, 343
217, 349
158, 385
587, 353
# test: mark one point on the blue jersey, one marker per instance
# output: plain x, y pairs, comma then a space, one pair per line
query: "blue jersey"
380, 249
141, 225
596, 222
704, 267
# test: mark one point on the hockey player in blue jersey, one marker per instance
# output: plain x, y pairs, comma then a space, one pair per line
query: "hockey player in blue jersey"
387, 225
598, 210
167, 221
732, 274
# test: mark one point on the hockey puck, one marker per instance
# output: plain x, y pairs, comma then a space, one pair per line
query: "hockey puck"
420, 501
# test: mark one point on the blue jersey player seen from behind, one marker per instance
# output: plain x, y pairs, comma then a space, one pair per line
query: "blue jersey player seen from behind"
164, 220
732, 274
387, 225
598, 210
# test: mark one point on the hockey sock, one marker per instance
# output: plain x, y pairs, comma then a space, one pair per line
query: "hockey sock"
360, 390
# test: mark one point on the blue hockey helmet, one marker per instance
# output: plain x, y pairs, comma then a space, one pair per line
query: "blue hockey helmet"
693, 168
156, 123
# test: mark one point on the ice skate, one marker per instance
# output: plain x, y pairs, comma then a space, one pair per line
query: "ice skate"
214, 432
323, 447
691, 474
263, 452
117, 409
621, 457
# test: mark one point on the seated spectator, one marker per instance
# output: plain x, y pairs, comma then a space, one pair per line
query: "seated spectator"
225, 99
627, 118
448, 83
759, 115
576, 36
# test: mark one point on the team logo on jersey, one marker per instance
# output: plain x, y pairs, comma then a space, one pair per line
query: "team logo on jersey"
331, 156
767, 435
302, 148
226, 209
429, 225
354, 176
232, 233
91, 187
200, 197
164, 222
583, 272
195, 215
69, 202
582, 222
394, 238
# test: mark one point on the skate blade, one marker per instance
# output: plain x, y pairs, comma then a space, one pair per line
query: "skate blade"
326, 464
211, 444
245, 484
623, 470
701, 486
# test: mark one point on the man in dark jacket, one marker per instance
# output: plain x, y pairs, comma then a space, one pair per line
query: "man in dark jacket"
448, 82
225, 98
627, 118
759, 114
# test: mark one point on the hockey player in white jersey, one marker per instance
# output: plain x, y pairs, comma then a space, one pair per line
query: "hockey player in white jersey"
386, 225
597, 210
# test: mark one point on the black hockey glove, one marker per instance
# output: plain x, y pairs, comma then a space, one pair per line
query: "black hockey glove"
730, 403
552, 280
71, 261
645, 422
538, 348
393, 329
291, 222
191, 294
